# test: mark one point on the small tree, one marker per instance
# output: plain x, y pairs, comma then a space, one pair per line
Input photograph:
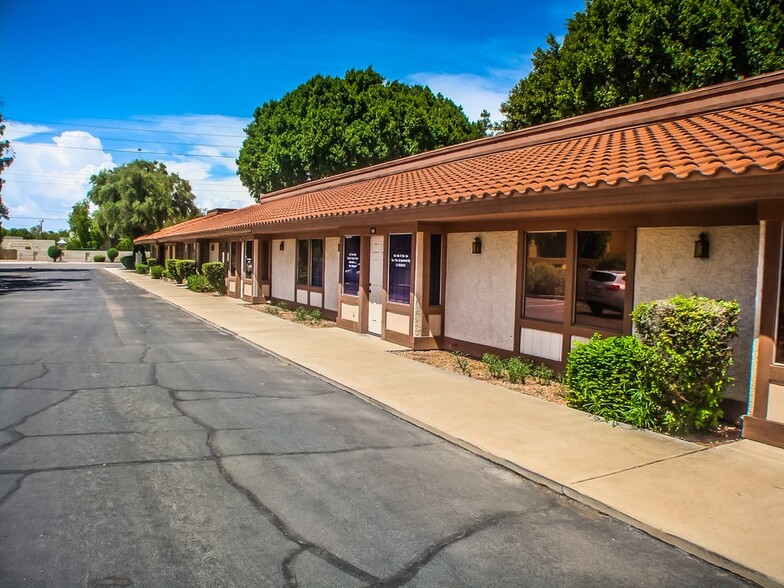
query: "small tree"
54, 252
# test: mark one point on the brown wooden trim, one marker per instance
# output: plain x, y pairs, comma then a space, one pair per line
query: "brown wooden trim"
764, 431
398, 338
771, 275
425, 343
348, 325
522, 242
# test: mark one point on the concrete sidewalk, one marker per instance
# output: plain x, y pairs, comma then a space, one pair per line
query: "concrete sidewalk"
724, 504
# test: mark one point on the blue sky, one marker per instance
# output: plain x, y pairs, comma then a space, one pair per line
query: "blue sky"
89, 85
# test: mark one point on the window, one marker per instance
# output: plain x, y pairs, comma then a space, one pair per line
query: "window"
600, 283
233, 259
248, 261
400, 268
434, 298
545, 276
351, 247
264, 273
310, 262
317, 263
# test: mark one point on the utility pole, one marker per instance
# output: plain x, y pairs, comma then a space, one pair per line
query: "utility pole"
41, 230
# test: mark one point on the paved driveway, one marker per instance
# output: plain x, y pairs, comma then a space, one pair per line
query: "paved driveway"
139, 446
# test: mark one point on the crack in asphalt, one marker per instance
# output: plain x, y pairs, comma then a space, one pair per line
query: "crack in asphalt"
16, 436
272, 517
13, 489
326, 451
413, 567
33, 379
108, 464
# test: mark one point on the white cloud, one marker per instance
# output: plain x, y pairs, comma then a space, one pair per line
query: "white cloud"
53, 166
48, 178
473, 92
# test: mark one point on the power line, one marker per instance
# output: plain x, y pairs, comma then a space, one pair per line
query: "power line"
138, 151
129, 129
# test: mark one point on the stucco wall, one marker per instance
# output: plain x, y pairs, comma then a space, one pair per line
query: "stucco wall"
331, 272
283, 268
666, 266
480, 289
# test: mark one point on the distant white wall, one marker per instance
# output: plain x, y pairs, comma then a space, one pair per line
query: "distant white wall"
331, 272
283, 269
480, 289
665, 266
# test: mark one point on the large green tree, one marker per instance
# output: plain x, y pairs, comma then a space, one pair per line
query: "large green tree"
622, 51
81, 223
6, 158
139, 198
330, 125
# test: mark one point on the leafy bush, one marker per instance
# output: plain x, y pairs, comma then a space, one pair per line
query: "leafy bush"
151, 261
166, 274
54, 252
185, 268
304, 315
142, 268
544, 374
494, 364
171, 269
692, 339
128, 262
614, 378
156, 272
517, 370
215, 272
198, 283
112, 253
463, 364
100, 258
125, 244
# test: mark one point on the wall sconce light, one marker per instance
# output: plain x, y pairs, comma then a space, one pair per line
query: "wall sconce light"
372, 230
476, 246
282, 245
702, 247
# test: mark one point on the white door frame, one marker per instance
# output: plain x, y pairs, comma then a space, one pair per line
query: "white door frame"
376, 278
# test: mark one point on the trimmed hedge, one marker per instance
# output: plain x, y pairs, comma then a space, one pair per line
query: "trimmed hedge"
112, 253
185, 268
171, 269
151, 261
54, 252
693, 339
215, 272
199, 283
156, 272
100, 258
128, 261
142, 268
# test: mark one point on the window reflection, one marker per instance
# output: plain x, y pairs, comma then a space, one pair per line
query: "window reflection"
545, 276
601, 279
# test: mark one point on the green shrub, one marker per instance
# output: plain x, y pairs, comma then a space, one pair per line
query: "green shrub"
517, 370
463, 364
54, 252
215, 272
156, 272
544, 374
166, 274
185, 268
142, 268
100, 258
614, 378
198, 283
151, 261
494, 364
692, 339
304, 315
128, 261
112, 254
171, 268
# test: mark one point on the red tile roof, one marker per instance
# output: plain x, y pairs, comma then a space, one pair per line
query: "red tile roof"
741, 139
